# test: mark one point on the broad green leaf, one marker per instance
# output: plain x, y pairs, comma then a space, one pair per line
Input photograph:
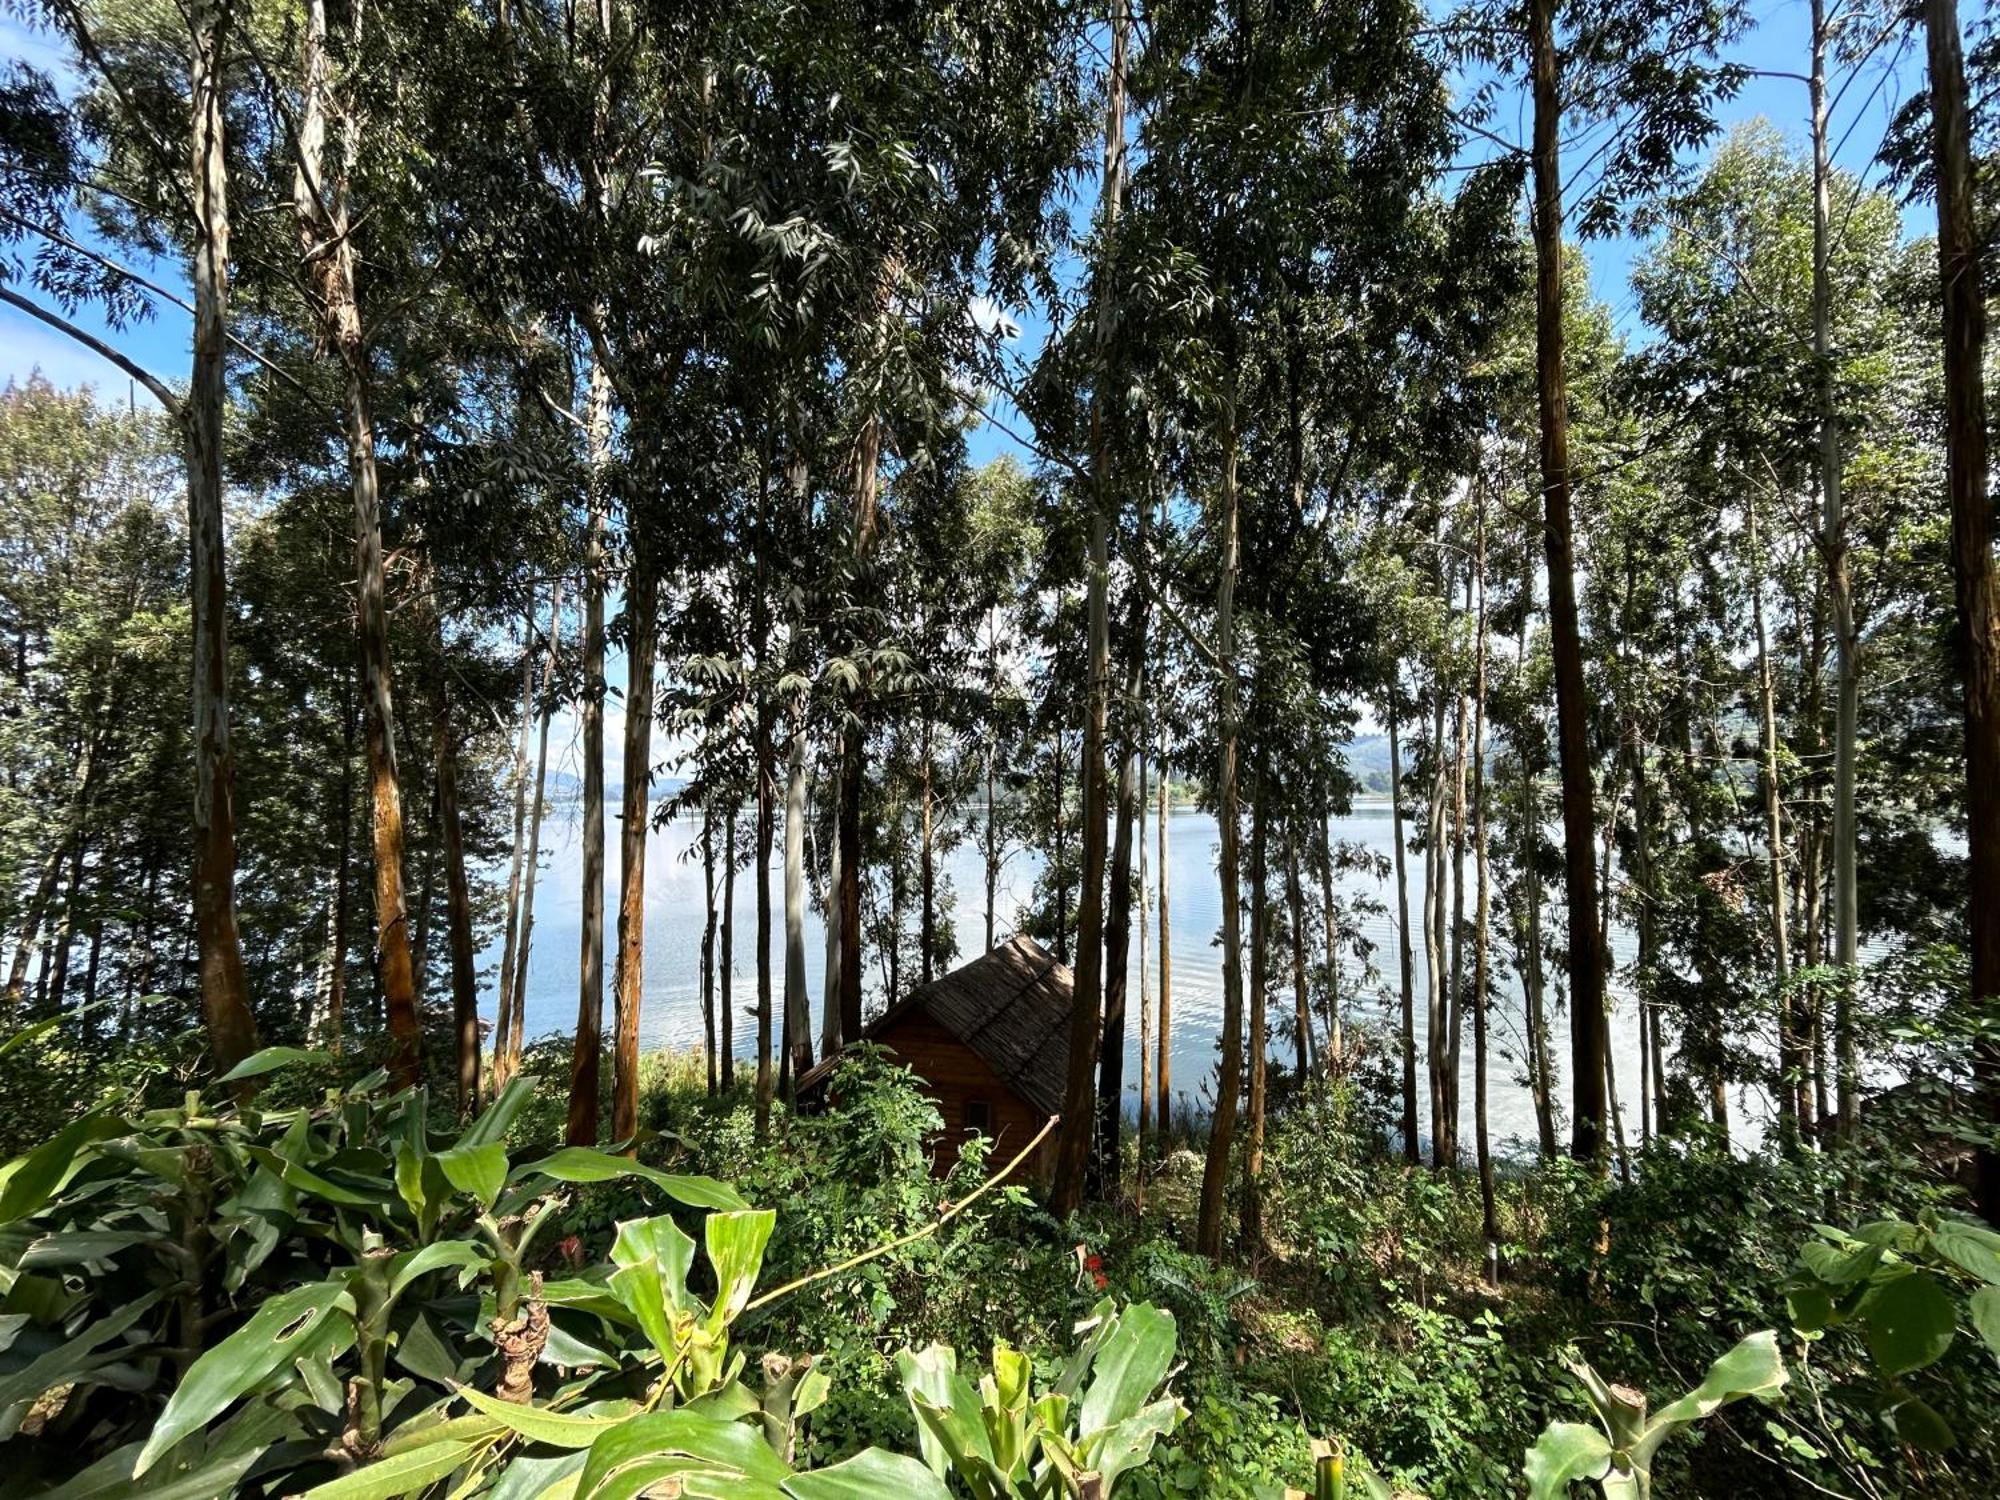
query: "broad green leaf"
950, 1428
274, 1336
308, 1181
498, 1117
37, 1177
1566, 1451
79, 1355
731, 1446
812, 1392
583, 1164
75, 1247
662, 1240
735, 1243
1753, 1368
110, 1478
1908, 1323
411, 1264
540, 1425
869, 1475
257, 1064
1973, 1248
1129, 1443
1130, 1365
530, 1476
1985, 1310
1917, 1423
403, 1474
478, 1170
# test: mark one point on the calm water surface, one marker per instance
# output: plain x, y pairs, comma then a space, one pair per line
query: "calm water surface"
675, 914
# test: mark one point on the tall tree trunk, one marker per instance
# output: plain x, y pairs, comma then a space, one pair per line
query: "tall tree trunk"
331, 258
992, 836
1978, 600
586, 1063
515, 1024
1482, 909
1260, 937
1437, 994
1302, 1027
1791, 1067
1075, 1148
1145, 998
767, 810
458, 894
225, 990
1840, 595
833, 1033
504, 1008
708, 942
629, 981
798, 1011
1336, 1042
1405, 959
338, 907
1163, 1071
1541, 1065
726, 1010
1229, 1080
1455, 1020
1588, 1031
1610, 1057
1118, 927
926, 856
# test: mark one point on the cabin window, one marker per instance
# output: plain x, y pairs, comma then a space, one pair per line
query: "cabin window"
979, 1116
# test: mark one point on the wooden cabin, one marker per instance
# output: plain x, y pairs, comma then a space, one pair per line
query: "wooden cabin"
991, 1041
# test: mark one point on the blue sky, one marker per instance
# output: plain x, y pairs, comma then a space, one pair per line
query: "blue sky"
1777, 44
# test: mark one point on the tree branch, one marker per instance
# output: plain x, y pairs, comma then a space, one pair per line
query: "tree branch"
161, 391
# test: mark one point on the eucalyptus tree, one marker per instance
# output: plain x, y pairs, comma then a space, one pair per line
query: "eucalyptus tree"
153, 174
1961, 273
1644, 73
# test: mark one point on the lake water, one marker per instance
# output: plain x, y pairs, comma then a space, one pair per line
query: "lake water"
671, 1016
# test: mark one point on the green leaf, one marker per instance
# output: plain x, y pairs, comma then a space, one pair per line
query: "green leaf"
111, 1478
950, 1430
75, 1247
1130, 1365
733, 1447
1565, 1451
1908, 1323
34, 1179
498, 1117
78, 1356
1973, 1248
274, 1336
1753, 1368
308, 1181
869, 1475
1985, 1310
257, 1064
402, 1474
478, 1170
584, 1164
411, 1264
1917, 1423
540, 1425
735, 1243
1129, 1443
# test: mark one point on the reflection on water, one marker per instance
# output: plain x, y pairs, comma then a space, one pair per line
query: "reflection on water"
674, 919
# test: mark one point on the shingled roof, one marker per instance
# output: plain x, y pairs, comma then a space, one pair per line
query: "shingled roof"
1010, 1007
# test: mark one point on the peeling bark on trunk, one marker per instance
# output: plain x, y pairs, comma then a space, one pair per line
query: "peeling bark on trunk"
1163, 1072
1302, 1027
1482, 911
708, 944
510, 944
1978, 599
641, 646
1259, 1059
798, 1012
225, 991
331, 260
586, 1060
726, 1010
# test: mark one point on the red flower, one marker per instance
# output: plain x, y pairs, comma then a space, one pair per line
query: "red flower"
1094, 1263
1101, 1279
